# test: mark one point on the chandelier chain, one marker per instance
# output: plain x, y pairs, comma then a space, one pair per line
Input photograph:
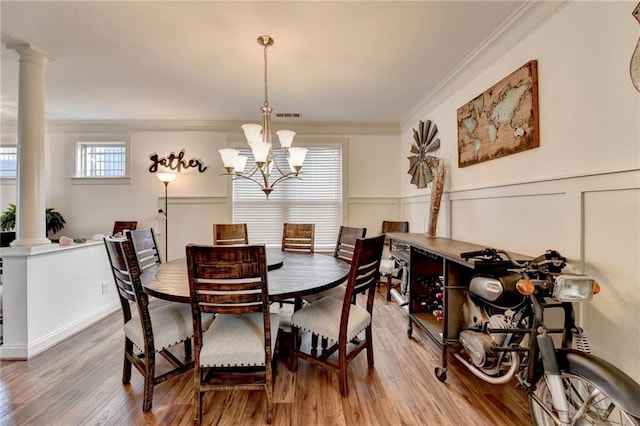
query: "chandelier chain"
266, 97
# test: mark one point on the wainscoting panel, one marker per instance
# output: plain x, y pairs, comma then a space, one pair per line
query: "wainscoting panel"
370, 212
491, 221
611, 255
191, 220
415, 210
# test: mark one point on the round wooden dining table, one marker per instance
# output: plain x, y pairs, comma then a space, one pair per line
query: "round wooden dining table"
291, 275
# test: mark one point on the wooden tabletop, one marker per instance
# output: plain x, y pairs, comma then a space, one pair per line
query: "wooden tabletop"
301, 274
445, 247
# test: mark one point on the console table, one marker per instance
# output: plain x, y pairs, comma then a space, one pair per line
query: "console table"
438, 280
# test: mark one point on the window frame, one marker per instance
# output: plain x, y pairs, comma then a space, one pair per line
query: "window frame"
80, 147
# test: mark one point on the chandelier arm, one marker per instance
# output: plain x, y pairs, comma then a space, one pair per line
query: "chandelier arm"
277, 166
251, 172
265, 176
236, 177
288, 176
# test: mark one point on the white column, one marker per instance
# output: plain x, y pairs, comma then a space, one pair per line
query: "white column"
30, 219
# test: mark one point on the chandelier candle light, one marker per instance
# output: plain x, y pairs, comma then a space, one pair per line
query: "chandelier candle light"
259, 140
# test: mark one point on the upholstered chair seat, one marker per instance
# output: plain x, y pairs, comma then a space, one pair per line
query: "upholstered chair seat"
323, 318
171, 323
236, 340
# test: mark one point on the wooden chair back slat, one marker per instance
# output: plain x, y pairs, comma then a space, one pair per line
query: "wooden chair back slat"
126, 274
224, 279
363, 274
230, 234
119, 226
298, 237
394, 226
145, 247
345, 246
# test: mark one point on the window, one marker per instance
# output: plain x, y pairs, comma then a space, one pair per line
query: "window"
101, 159
314, 198
8, 161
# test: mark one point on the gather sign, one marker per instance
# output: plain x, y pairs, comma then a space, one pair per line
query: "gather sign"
175, 162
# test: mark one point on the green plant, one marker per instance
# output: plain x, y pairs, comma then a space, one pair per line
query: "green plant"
54, 220
8, 218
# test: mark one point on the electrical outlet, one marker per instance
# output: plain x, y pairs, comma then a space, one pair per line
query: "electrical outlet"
105, 287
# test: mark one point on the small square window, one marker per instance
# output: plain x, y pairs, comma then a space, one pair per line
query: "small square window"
101, 159
8, 161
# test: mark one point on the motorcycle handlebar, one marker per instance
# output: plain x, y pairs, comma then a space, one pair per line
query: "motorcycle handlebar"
488, 252
492, 254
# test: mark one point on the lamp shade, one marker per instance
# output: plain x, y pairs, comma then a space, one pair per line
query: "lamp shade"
252, 132
240, 163
297, 155
166, 177
229, 156
260, 151
285, 137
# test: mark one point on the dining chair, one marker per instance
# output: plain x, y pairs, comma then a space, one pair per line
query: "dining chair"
340, 321
147, 331
389, 268
298, 237
236, 351
345, 245
146, 247
120, 226
230, 233
147, 253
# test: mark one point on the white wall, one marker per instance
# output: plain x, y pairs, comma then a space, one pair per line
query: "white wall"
579, 192
197, 200
51, 293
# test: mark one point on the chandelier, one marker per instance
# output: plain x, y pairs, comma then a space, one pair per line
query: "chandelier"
263, 173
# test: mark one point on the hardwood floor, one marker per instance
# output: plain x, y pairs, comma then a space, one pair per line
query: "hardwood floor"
78, 382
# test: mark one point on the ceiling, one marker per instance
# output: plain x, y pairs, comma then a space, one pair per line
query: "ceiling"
332, 61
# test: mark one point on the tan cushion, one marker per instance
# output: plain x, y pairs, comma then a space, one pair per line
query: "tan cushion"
237, 340
388, 266
323, 318
171, 324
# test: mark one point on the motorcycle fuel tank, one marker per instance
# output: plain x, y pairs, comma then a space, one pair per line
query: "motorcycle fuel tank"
499, 289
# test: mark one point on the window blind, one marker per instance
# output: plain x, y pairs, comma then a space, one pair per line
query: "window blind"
314, 198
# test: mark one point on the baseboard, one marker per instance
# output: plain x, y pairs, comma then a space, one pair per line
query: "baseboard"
23, 352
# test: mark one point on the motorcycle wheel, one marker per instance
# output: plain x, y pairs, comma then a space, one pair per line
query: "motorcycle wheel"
600, 410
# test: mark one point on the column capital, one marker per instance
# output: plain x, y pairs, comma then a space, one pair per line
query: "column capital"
29, 50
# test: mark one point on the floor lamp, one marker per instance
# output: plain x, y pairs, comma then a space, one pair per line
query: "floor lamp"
166, 178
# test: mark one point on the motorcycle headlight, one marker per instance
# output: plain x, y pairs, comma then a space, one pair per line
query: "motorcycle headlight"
573, 288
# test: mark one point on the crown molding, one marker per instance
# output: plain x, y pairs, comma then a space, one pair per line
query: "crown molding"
132, 126
524, 21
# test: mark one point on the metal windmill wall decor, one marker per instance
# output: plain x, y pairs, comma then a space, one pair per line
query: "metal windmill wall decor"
634, 67
422, 166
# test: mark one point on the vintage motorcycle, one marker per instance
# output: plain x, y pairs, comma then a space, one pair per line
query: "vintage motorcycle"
504, 335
